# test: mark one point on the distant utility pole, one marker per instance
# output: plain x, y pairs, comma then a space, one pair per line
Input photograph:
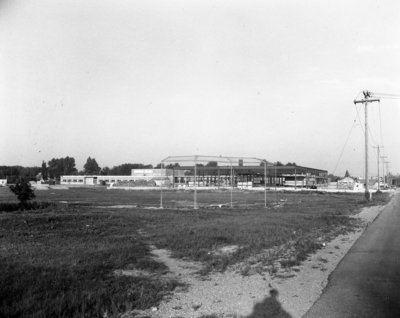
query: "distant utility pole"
383, 168
387, 171
379, 180
367, 99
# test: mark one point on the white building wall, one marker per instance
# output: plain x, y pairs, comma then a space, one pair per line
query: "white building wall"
137, 174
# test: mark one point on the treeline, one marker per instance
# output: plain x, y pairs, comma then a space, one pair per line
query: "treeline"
13, 173
56, 167
50, 170
124, 169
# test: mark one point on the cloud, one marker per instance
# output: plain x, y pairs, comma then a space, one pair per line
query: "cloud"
332, 81
366, 49
377, 49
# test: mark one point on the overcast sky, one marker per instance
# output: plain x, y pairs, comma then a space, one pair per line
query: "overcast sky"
137, 81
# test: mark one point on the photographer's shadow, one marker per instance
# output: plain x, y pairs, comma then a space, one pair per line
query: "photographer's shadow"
269, 307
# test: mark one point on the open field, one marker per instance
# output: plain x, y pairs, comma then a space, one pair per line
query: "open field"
64, 260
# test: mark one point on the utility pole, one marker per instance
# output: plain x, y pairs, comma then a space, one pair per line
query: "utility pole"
161, 188
265, 183
387, 171
379, 180
195, 185
383, 168
367, 99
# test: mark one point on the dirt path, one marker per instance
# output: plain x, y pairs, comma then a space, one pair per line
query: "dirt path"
231, 294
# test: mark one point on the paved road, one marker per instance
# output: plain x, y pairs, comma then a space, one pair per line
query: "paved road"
367, 281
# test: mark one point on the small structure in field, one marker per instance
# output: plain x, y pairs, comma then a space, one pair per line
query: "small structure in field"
346, 183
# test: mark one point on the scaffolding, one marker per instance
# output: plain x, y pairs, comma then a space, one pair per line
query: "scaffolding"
227, 162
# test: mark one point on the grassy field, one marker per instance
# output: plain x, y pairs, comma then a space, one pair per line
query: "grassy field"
61, 261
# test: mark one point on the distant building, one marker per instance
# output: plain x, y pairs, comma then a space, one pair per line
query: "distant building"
156, 176
214, 176
251, 176
346, 183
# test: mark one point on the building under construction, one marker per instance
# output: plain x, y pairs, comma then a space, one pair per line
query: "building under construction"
249, 176
213, 171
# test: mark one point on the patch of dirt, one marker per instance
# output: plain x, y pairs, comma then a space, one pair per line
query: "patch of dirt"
226, 250
179, 268
238, 293
132, 272
119, 206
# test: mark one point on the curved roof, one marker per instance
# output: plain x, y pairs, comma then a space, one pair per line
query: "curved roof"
219, 159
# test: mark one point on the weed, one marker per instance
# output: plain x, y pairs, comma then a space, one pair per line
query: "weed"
245, 270
322, 260
290, 262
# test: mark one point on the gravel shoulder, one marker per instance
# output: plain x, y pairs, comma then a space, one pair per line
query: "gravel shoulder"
230, 294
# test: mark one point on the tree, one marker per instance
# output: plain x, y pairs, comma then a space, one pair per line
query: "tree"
69, 165
126, 168
23, 190
347, 174
44, 170
167, 166
212, 164
279, 164
172, 165
333, 178
91, 166
291, 164
61, 166
105, 171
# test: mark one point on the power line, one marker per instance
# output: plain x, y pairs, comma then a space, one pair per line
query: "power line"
389, 97
359, 119
344, 146
362, 128
384, 95
372, 137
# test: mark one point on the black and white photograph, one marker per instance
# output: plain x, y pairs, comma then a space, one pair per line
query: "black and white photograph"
199, 158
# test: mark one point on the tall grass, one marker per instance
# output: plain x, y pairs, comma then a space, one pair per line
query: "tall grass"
13, 206
62, 263
302, 223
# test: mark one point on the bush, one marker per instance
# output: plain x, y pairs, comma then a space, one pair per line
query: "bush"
23, 190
